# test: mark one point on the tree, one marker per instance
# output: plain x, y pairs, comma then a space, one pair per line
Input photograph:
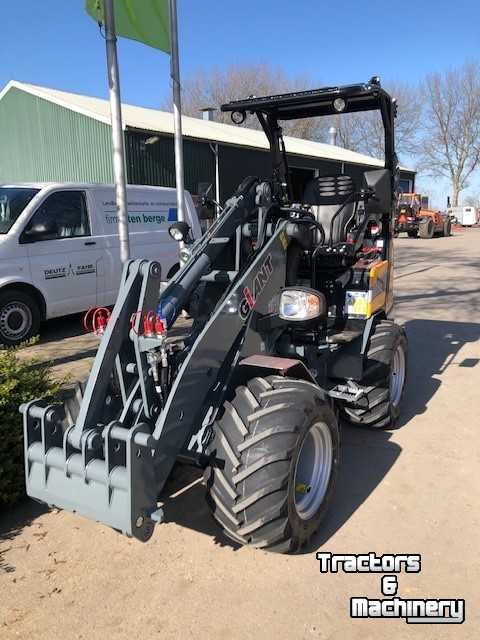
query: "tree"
471, 200
451, 140
216, 87
363, 132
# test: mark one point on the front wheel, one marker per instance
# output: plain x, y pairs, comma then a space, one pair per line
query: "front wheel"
426, 229
413, 233
385, 376
19, 317
447, 228
280, 442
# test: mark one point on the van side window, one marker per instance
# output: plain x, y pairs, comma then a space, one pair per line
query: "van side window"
62, 215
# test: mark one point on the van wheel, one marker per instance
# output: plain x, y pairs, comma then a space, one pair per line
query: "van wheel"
19, 317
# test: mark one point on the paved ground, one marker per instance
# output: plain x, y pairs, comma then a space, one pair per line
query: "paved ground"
66, 346
413, 490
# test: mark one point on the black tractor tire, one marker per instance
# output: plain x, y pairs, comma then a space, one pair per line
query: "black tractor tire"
413, 233
20, 317
258, 497
380, 408
426, 229
447, 228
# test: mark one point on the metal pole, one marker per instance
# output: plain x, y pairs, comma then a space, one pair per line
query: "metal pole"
217, 179
332, 136
117, 130
177, 111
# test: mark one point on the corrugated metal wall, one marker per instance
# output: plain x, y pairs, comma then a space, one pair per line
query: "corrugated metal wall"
41, 141
236, 163
154, 164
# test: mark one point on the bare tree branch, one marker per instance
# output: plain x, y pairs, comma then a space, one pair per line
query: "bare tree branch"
451, 136
471, 200
444, 135
364, 132
215, 87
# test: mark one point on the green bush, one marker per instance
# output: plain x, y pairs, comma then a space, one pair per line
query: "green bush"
20, 381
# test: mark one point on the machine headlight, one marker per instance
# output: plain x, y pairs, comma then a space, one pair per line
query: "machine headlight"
339, 104
179, 231
176, 234
238, 117
301, 304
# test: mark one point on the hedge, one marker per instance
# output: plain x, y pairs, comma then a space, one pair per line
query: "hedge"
20, 381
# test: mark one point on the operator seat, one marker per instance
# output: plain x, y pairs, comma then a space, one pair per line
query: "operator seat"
326, 194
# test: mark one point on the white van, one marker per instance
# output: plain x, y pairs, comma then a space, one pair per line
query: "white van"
59, 248
465, 216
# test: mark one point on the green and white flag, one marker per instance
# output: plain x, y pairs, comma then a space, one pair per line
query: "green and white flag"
144, 20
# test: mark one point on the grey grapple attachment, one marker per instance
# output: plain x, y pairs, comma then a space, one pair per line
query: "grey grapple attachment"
100, 469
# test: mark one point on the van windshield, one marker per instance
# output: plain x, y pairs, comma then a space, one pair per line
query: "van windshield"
13, 201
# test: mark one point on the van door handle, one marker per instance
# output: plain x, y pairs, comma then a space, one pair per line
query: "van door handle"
90, 242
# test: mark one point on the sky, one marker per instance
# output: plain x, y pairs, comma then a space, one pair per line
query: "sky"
54, 43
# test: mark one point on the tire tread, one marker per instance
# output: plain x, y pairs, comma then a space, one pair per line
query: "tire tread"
249, 497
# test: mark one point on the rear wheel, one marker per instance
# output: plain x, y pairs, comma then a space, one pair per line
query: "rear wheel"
426, 229
385, 373
447, 228
19, 317
280, 442
413, 233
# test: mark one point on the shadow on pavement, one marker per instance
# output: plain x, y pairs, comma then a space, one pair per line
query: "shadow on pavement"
433, 347
12, 522
61, 328
186, 505
367, 455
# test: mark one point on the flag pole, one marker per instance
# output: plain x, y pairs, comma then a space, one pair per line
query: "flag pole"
117, 130
177, 111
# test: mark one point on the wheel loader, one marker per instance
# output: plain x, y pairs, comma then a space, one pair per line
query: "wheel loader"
418, 221
291, 306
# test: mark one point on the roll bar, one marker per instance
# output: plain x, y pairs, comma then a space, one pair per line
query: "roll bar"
369, 96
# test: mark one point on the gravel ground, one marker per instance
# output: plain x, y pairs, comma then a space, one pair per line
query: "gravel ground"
412, 490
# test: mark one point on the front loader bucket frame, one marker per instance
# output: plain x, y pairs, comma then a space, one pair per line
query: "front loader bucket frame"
101, 469
119, 490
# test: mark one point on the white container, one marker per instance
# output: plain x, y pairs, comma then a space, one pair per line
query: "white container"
465, 216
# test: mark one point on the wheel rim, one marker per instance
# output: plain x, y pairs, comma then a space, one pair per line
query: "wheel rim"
397, 375
15, 320
312, 470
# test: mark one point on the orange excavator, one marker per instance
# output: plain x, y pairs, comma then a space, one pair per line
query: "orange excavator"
418, 221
